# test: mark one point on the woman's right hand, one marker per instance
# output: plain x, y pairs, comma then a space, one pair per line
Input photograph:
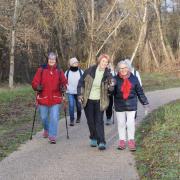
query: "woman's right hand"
39, 88
146, 109
80, 99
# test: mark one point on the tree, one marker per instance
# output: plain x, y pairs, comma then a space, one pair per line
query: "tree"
13, 36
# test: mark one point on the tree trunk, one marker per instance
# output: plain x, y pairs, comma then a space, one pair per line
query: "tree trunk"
169, 58
143, 27
13, 37
153, 54
91, 53
178, 50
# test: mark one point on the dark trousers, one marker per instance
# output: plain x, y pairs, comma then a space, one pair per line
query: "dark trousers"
95, 120
109, 109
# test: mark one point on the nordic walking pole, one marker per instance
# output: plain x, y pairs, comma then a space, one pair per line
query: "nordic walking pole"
113, 110
36, 104
33, 122
65, 108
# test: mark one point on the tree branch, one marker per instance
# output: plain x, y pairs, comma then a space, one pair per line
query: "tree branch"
107, 15
111, 34
4, 27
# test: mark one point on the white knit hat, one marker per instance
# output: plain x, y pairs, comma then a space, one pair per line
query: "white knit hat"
73, 60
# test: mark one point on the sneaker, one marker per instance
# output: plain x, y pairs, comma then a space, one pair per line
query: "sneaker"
108, 122
101, 146
52, 140
45, 134
131, 145
93, 142
122, 144
71, 123
78, 120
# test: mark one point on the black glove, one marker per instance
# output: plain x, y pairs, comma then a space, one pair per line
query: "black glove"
39, 88
63, 89
112, 82
111, 88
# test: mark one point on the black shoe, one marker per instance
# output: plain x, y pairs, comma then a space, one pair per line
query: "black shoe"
71, 123
78, 120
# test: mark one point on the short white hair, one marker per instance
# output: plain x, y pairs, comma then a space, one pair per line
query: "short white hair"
125, 63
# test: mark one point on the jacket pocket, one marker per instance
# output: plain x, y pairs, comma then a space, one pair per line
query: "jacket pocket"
42, 100
43, 97
57, 99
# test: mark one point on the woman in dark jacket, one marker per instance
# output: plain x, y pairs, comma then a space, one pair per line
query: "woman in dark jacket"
49, 81
126, 92
93, 93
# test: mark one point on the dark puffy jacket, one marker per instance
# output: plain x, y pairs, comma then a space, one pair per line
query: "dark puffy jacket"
85, 85
51, 78
129, 104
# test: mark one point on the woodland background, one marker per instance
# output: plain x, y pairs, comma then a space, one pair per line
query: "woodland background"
146, 31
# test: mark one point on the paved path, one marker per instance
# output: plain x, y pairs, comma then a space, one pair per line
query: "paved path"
73, 159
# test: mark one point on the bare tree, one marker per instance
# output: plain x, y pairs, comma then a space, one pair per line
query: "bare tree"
142, 31
13, 36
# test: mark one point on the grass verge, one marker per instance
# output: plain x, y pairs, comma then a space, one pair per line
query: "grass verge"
157, 155
16, 115
157, 81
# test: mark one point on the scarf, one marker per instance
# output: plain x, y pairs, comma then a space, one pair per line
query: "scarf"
74, 69
126, 86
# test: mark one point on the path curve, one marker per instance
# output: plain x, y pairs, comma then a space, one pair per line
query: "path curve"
73, 158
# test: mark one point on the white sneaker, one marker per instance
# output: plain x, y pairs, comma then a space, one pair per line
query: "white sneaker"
108, 122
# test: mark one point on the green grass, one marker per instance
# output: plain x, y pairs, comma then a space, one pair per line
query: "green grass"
156, 81
157, 155
8, 95
16, 115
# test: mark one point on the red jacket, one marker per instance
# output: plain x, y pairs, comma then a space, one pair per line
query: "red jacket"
51, 80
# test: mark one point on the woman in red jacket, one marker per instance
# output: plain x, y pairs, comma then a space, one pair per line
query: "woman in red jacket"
49, 82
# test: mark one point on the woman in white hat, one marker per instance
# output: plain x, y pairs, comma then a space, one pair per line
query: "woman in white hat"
73, 74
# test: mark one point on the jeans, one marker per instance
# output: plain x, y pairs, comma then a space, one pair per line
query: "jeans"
50, 118
72, 98
95, 120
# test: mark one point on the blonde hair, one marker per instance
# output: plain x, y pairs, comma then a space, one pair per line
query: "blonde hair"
103, 56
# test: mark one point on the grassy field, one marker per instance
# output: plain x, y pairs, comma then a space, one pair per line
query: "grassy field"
16, 114
157, 155
156, 81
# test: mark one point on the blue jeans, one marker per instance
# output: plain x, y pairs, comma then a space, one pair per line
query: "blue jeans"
50, 118
72, 98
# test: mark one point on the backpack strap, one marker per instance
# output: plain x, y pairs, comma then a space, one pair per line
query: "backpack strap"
67, 74
44, 66
80, 72
134, 72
